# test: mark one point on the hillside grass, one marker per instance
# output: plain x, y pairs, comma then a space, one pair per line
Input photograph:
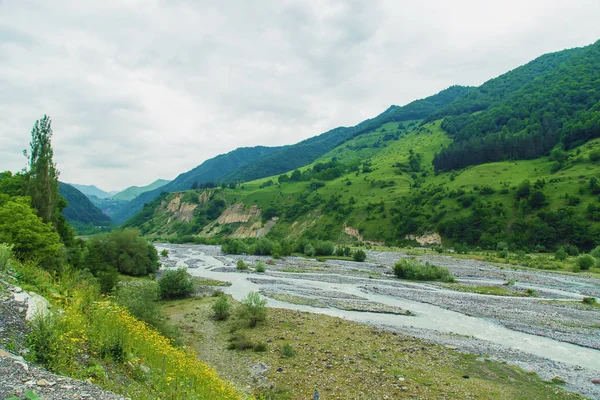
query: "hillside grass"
87, 336
346, 360
381, 194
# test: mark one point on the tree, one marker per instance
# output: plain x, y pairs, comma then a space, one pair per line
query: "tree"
254, 309
221, 308
43, 175
176, 284
359, 255
32, 238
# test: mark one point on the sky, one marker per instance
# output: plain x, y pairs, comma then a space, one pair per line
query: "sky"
145, 89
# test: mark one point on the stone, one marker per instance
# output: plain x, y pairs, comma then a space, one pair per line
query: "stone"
404, 388
466, 376
401, 379
596, 381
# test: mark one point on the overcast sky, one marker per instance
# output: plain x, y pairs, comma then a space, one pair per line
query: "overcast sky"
141, 89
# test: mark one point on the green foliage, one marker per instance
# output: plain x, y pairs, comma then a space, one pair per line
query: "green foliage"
523, 124
288, 350
31, 238
260, 267
359, 255
412, 270
561, 254
175, 283
124, 250
586, 262
6, 256
141, 298
253, 309
241, 265
164, 253
589, 300
221, 308
43, 339
80, 211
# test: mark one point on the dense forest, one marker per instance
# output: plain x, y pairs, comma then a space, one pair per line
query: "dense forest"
560, 106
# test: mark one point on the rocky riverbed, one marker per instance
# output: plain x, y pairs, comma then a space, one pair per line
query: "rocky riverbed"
550, 332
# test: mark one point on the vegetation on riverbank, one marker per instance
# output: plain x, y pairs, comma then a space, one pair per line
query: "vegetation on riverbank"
343, 359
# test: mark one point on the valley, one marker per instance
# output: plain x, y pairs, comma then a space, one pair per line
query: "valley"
550, 333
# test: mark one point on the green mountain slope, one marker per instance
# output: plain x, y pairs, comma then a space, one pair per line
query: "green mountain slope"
134, 191
207, 173
80, 212
251, 163
381, 185
91, 190
560, 106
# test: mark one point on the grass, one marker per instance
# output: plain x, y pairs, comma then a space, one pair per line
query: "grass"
89, 336
199, 281
347, 360
490, 290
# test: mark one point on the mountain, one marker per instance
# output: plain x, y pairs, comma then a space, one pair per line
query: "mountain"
80, 212
210, 171
91, 190
389, 184
252, 163
134, 191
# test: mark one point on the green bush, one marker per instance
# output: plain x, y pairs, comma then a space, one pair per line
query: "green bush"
141, 300
260, 347
595, 253
175, 284
412, 270
253, 309
6, 256
241, 265
359, 255
309, 250
221, 308
43, 339
260, 267
164, 253
589, 300
124, 250
324, 248
561, 254
288, 350
586, 262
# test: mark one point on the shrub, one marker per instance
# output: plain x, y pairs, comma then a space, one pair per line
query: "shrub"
571, 250
359, 255
561, 254
241, 265
309, 250
589, 300
260, 347
124, 250
324, 248
240, 342
260, 267
288, 350
222, 308
141, 300
586, 262
595, 253
164, 253
409, 269
253, 309
176, 284
6, 257
43, 339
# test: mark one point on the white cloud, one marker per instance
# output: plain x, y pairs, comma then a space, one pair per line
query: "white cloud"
144, 89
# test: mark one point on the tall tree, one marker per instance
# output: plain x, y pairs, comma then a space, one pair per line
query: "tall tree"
43, 175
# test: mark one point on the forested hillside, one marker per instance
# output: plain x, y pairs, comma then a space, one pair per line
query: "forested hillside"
245, 164
80, 212
560, 106
531, 183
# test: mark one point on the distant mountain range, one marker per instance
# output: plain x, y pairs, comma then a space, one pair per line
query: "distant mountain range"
91, 190
134, 191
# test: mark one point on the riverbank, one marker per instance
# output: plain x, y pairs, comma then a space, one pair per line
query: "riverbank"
551, 332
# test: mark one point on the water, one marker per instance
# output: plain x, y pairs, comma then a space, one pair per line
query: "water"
428, 316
